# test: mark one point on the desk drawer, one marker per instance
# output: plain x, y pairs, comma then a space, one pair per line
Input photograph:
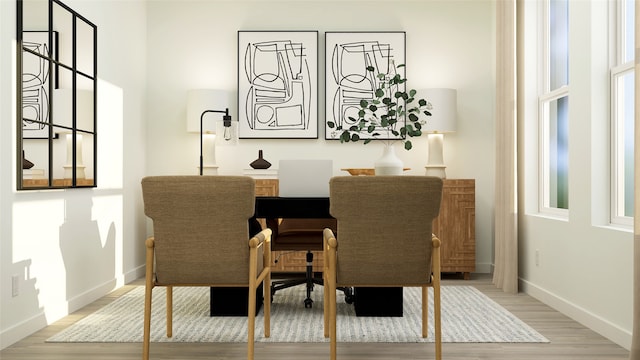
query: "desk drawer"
267, 187
295, 261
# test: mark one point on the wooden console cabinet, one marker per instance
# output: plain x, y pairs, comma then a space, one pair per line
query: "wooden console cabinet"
455, 226
56, 182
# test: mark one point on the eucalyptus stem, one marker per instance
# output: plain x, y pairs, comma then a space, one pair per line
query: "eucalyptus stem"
391, 111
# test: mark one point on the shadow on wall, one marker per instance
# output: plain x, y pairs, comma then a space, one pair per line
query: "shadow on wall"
88, 262
25, 287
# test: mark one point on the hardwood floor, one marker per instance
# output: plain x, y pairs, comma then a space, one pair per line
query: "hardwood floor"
569, 340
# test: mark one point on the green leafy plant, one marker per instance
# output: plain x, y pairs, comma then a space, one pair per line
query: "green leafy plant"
392, 114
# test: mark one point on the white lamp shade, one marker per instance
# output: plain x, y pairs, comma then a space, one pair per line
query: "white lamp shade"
200, 100
444, 111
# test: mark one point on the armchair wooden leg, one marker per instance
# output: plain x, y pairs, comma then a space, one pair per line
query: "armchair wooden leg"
332, 277
169, 311
147, 322
436, 296
251, 311
437, 324
148, 288
266, 283
325, 314
333, 320
425, 312
251, 316
326, 235
267, 305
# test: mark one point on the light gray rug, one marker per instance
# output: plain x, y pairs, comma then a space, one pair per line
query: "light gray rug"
467, 316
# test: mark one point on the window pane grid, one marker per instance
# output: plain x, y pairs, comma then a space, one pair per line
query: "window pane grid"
628, 9
623, 145
622, 117
558, 43
555, 176
554, 112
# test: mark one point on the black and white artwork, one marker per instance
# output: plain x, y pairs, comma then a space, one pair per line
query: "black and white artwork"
347, 80
277, 84
36, 76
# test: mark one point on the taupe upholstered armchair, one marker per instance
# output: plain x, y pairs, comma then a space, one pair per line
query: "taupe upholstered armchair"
384, 240
201, 238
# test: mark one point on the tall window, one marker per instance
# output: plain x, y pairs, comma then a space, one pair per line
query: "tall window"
622, 117
554, 110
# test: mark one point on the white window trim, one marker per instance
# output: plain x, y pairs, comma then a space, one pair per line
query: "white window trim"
543, 146
621, 40
619, 70
544, 99
617, 151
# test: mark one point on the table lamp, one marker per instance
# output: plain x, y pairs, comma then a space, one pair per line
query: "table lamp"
63, 114
200, 103
442, 120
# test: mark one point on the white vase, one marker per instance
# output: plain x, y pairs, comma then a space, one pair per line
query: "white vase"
389, 163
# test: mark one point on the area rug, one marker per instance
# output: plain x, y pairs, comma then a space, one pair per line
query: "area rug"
468, 316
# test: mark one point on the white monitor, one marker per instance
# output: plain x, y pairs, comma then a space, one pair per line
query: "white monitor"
304, 178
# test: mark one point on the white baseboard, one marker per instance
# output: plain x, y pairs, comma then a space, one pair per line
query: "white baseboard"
134, 274
594, 322
89, 296
18, 332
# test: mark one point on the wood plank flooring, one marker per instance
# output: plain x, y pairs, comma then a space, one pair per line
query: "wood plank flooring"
569, 340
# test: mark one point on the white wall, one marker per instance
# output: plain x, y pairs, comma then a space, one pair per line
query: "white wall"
585, 266
70, 247
193, 45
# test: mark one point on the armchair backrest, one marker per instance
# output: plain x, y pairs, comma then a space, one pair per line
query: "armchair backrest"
384, 228
200, 227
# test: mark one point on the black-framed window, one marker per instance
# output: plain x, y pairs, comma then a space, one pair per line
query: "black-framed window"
56, 96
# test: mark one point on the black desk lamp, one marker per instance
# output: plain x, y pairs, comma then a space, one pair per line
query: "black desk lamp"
200, 102
226, 122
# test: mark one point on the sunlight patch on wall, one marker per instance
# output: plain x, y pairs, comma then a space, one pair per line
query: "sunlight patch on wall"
111, 135
35, 247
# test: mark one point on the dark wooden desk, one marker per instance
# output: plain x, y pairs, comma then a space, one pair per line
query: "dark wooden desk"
371, 301
367, 302
290, 207
233, 301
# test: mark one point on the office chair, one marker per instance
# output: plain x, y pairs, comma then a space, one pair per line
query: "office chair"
292, 235
384, 240
302, 178
201, 238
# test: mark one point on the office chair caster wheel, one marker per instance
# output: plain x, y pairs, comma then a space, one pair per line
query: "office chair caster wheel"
308, 303
349, 298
